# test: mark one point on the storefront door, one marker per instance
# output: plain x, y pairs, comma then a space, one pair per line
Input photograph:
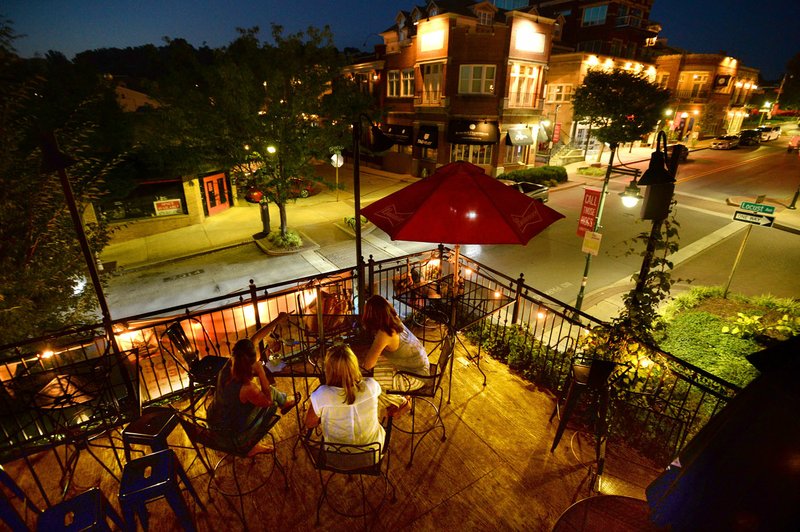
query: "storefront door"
216, 193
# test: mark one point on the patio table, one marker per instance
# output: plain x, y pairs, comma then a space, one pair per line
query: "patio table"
456, 308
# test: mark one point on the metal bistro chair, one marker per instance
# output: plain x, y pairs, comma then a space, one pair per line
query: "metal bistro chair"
202, 371
428, 393
351, 460
233, 446
594, 377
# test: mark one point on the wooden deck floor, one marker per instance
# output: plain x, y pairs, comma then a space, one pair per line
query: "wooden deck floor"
495, 471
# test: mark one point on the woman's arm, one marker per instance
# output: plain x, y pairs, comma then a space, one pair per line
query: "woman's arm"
269, 328
378, 345
312, 419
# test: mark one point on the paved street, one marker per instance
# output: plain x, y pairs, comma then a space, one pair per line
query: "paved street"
149, 277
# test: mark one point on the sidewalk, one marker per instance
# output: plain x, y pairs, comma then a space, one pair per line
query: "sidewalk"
315, 217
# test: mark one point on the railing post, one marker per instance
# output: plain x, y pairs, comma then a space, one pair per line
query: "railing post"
517, 298
371, 269
254, 301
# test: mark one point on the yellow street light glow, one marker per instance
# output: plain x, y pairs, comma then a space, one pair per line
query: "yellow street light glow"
271, 149
668, 112
46, 354
541, 314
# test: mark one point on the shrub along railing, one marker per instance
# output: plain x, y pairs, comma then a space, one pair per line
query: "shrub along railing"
665, 400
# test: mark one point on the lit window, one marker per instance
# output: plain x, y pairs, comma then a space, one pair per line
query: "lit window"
472, 153
485, 18
393, 84
476, 79
407, 83
559, 93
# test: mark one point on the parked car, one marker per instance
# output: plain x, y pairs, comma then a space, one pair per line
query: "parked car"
299, 188
532, 190
725, 142
794, 144
683, 150
769, 132
749, 137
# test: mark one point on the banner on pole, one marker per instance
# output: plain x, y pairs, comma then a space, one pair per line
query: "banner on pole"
591, 202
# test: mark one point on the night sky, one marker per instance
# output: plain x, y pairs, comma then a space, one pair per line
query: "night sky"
763, 34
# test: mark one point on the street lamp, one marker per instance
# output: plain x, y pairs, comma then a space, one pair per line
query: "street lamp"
631, 195
659, 179
764, 110
380, 142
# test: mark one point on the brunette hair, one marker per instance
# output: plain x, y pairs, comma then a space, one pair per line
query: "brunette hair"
341, 370
244, 356
379, 315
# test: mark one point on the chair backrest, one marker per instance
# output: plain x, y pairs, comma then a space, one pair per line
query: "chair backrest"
447, 348
237, 443
179, 345
347, 458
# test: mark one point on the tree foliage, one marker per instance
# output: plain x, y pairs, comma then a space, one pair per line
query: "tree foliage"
620, 106
790, 98
42, 269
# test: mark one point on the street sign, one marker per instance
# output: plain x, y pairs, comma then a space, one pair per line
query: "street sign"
755, 219
757, 207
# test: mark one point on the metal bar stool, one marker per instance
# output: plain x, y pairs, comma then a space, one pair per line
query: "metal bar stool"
152, 477
152, 429
87, 511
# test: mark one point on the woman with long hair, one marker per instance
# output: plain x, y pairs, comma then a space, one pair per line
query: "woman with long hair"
346, 406
394, 348
243, 391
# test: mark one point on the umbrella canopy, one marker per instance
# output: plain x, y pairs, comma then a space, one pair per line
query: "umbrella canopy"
460, 204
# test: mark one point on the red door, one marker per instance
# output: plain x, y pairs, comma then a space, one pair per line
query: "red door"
217, 195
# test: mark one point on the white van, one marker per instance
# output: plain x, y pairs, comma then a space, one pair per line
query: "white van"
769, 132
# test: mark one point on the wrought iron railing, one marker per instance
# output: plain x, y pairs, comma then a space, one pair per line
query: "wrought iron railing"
664, 402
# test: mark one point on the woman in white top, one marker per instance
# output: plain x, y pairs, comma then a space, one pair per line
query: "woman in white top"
346, 406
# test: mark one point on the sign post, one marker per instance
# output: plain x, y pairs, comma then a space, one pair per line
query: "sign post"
753, 217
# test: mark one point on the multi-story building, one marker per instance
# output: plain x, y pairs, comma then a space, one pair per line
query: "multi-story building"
616, 28
460, 80
710, 93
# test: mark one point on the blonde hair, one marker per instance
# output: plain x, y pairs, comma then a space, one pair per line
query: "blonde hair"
341, 369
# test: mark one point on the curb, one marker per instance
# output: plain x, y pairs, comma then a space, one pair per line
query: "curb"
142, 265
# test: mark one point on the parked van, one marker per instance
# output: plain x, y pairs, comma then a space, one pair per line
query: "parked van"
769, 132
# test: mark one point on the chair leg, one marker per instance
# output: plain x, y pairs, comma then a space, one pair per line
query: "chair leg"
185, 479
572, 400
178, 505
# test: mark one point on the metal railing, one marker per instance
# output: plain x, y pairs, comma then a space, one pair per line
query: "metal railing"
664, 402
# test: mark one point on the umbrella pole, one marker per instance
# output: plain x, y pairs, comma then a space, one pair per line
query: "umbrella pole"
455, 267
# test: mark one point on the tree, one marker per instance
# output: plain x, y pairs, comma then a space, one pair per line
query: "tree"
42, 269
620, 106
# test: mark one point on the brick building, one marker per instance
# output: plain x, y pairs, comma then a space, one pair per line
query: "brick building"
460, 80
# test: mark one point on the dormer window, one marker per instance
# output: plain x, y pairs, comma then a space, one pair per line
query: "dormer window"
432, 12
402, 34
485, 18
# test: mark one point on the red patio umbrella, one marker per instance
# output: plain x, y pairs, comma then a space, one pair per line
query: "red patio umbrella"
460, 204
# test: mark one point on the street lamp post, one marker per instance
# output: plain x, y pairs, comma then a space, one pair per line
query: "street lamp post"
660, 181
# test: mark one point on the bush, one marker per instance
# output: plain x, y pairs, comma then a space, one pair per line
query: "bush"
292, 240
545, 175
592, 170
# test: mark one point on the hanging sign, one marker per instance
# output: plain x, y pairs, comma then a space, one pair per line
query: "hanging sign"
591, 243
591, 202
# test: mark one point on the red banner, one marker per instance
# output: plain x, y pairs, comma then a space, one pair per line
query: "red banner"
556, 132
591, 202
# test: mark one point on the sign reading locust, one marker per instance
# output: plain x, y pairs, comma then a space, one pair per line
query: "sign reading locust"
757, 207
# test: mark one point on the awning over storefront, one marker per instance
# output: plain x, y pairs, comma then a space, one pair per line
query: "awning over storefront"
399, 134
522, 136
472, 132
428, 137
